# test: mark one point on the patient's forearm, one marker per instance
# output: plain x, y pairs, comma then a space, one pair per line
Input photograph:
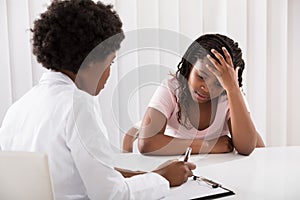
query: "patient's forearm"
161, 144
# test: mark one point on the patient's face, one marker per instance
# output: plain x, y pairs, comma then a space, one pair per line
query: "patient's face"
203, 84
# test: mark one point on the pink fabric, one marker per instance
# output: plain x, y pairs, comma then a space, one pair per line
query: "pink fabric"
165, 101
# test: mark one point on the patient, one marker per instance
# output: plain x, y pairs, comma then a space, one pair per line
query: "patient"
201, 106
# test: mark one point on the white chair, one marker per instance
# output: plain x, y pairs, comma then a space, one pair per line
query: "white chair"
25, 176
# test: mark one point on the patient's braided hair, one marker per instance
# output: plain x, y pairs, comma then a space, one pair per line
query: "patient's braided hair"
199, 50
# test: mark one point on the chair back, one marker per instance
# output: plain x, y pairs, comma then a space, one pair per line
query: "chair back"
25, 176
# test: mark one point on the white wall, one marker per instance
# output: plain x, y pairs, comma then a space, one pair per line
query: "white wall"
267, 31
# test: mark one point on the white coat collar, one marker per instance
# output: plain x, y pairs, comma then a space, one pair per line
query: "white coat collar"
54, 76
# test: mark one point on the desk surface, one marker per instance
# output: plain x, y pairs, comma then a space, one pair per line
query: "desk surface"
268, 173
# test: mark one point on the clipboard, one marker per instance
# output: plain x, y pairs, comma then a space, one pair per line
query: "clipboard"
198, 189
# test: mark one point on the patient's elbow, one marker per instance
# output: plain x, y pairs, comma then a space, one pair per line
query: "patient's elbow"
144, 146
245, 151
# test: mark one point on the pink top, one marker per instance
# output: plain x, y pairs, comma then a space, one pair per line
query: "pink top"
165, 101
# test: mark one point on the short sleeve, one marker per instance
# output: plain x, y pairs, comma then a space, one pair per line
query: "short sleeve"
164, 99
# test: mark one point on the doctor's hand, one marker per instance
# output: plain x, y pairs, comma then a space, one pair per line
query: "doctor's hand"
176, 172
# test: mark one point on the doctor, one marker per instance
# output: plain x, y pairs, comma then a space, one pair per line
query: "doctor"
77, 41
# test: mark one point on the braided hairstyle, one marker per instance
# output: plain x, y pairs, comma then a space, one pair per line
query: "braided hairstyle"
69, 30
199, 50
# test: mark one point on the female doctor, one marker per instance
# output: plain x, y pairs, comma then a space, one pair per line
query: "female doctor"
77, 40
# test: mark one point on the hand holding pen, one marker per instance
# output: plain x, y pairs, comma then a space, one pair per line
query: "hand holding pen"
175, 171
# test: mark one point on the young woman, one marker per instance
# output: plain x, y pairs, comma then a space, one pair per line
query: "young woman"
77, 41
202, 106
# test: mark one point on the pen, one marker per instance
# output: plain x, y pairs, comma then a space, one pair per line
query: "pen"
187, 154
209, 182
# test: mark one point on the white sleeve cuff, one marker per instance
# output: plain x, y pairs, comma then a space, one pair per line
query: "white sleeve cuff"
148, 186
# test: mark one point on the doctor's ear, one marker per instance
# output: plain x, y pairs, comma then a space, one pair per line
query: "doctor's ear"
91, 64
95, 65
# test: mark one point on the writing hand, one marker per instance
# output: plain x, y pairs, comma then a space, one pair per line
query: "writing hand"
176, 172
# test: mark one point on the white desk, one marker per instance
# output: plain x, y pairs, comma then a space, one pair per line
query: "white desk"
268, 173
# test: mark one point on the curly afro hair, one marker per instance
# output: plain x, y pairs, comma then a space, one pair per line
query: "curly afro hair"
69, 30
